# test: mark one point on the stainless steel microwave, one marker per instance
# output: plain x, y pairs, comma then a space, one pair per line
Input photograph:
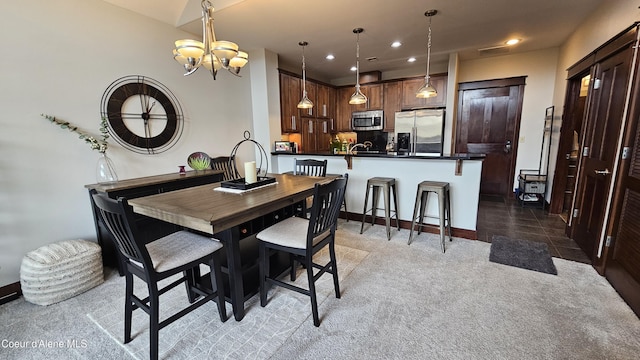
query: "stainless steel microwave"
367, 120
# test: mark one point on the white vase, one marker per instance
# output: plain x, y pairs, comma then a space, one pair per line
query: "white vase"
105, 170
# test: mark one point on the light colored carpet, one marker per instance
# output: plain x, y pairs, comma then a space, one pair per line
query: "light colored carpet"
399, 302
257, 336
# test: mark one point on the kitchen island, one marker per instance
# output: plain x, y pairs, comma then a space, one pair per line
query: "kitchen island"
461, 171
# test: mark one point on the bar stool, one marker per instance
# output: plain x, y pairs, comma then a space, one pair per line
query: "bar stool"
388, 186
441, 189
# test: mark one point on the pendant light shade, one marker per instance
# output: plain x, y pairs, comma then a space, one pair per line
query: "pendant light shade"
358, 97
427, 90
305, 103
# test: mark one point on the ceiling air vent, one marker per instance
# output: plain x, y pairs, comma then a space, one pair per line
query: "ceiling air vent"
494, 50
372, 59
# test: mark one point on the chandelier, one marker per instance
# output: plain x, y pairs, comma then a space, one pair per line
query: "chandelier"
427, 90
358, 97
305, 103
211, 53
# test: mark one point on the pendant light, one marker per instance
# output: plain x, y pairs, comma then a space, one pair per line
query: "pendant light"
305, 103
427, 90
358, 97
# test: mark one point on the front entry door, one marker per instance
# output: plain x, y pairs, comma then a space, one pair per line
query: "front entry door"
604, 119
488, 123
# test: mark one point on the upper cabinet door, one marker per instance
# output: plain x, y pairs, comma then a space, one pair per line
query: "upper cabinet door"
344, 109
411, 86
374, 94
392, 104
324, 107
290, 93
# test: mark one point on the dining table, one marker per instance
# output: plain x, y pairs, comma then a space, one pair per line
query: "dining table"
233, 217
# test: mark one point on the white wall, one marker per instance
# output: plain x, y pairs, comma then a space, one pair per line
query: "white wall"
61, 56
540, 69
606, 21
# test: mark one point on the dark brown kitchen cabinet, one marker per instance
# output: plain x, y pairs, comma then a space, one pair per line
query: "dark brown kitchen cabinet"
374, 94
290, 92
344, 109
150, 228
392, 103
316, 134
325, 102
411, 86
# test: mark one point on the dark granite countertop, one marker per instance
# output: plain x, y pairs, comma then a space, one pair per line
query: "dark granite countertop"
386, 155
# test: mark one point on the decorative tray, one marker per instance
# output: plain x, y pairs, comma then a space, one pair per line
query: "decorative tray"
240, 184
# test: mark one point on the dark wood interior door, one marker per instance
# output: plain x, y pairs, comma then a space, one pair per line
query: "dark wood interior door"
564, 179
623, 263
604, 118
622, 267
488, 122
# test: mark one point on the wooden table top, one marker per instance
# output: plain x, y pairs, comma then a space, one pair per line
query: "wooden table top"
204, 209
150, 180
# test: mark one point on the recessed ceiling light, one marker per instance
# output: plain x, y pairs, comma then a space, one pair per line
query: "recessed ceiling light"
512, 41
396, 44
330, 57
353, 68
411, 59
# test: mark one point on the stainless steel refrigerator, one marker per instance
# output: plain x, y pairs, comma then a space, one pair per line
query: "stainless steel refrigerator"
419, 132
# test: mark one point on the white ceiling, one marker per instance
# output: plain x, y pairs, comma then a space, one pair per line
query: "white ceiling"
462, 26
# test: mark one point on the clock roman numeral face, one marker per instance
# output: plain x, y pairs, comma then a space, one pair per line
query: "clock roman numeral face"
143, 115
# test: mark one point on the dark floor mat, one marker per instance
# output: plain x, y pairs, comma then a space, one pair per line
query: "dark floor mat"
524, 254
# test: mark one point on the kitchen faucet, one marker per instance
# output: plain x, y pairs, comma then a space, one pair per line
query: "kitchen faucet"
366, 145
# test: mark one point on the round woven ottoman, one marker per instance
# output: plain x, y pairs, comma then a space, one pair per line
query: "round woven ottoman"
59, 271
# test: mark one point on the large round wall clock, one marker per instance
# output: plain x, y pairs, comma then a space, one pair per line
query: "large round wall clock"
142, 114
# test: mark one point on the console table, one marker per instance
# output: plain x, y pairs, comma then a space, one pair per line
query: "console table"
139, 187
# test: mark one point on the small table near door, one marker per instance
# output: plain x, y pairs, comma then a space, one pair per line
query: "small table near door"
234, 219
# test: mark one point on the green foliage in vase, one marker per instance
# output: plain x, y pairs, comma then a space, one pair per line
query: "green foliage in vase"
96, 144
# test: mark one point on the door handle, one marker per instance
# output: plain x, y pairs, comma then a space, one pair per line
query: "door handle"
602, 172
507, 147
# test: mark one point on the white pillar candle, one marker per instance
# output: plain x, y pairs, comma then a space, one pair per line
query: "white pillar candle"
250, 174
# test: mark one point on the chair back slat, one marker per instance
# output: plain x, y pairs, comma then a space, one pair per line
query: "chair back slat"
226, 164
310, 167
119, 219
327, 201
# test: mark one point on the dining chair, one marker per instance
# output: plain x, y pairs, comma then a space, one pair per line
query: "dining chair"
226, 164
313, 167
303, 238
179, 252
310, 167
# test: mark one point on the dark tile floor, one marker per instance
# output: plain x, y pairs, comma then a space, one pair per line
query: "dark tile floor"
499, 216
